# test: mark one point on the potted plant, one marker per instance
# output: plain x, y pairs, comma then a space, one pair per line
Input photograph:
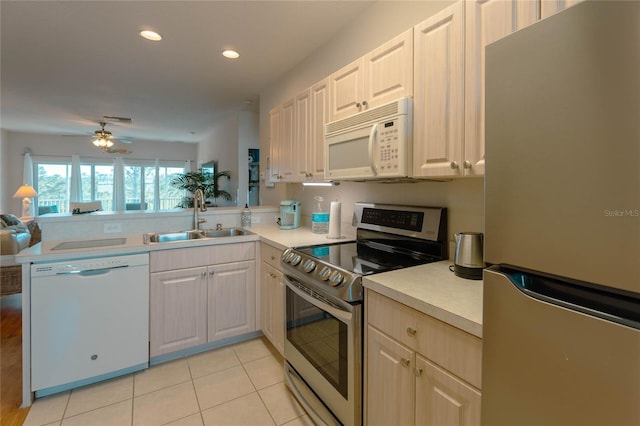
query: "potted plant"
204, 180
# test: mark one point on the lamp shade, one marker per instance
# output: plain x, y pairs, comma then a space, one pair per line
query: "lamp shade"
25, 191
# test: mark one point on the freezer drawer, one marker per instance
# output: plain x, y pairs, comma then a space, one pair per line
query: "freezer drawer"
543, 364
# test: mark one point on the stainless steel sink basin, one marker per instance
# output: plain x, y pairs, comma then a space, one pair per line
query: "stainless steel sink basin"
164, 237
194, 234
225, 232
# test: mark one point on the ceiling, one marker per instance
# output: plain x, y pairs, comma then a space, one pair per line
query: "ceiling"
66, 64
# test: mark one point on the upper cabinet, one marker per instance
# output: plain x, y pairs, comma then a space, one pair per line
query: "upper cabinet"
319, 93
449, 82
549, 7
486, 21
381, 76
438, 104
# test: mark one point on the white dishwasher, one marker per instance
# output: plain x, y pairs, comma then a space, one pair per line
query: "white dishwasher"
89, 321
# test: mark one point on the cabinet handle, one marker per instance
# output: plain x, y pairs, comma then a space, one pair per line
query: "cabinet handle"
405, 362
411, 331
204, 274
358, 105
364, 103
272, 275
466, 164
417, 371
211, 272
454, 164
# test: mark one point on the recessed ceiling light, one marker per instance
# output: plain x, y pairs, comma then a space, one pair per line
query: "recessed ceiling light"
231, 54
150, 35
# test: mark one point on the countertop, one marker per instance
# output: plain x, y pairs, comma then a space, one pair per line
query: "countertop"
436, 291
271, 234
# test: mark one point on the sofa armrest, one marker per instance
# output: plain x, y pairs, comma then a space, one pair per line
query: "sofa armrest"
12, 242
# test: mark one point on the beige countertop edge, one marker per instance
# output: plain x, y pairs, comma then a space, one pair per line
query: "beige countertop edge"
434, 290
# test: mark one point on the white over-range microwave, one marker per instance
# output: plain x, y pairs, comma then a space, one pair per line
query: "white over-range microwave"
374, 144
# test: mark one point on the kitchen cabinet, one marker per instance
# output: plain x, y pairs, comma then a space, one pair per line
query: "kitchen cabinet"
272, 296
381, 76
200, 295
418, 370
438, 104
485, 22
318, 118
274, 145
550, 7
302, 139
449, 82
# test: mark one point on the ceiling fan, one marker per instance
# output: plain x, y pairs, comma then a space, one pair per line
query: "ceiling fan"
104, 141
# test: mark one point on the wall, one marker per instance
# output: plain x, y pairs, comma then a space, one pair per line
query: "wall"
464, 198
228, 145
54, 147
4, 173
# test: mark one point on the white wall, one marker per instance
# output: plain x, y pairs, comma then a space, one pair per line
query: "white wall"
53, 147
4, 173
228, 145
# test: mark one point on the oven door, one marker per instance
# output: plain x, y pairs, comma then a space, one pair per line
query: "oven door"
323, 344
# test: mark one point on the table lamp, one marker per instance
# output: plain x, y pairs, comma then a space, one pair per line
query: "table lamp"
25, 192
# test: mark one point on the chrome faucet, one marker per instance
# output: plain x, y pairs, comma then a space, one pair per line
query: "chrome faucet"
198, 195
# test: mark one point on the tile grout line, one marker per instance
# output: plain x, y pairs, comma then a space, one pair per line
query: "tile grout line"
193, 385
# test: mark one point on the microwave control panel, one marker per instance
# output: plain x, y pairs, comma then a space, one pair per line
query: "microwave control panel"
391, 155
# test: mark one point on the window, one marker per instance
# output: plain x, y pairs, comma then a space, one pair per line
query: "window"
53, 181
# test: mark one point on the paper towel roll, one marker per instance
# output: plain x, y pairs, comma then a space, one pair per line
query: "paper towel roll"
334, 220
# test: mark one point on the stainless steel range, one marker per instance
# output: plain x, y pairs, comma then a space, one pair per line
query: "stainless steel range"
324, 302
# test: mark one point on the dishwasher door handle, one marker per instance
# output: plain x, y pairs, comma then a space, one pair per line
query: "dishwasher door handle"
90, 272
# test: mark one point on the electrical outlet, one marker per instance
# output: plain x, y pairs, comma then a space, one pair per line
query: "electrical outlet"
255, 219
112, 227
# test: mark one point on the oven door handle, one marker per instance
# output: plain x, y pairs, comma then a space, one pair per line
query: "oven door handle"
344, 316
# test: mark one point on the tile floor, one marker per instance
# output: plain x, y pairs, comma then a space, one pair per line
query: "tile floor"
241, 384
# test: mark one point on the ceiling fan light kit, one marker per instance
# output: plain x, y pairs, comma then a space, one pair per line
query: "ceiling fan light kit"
103, 141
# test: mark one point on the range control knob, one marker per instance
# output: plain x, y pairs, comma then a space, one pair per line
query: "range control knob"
286, 256
336, 279
309, 265
296, 259
325, 273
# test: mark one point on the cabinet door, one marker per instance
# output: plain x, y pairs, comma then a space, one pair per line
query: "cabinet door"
347, 88
486, 21
178, 310
231, 300
389, 71
287, 132
274, 144
443, 399
273, 306
438, 124
319, 117
390, 390
550, 7
301, 141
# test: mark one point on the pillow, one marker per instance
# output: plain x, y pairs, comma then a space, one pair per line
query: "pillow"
12, 222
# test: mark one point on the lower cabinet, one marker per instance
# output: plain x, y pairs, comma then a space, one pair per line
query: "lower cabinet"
272, 296
403, 386
201, 304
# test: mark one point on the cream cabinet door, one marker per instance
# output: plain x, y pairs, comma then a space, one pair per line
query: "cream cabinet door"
486, 21
302, 137
438, 136
347, 87
273, 306
550, 7
231, 300
319, 117
287, 132
178, 310
443, 399
389, 72
274, 144
390, 388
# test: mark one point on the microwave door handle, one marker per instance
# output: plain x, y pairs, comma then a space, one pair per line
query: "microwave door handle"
372, 136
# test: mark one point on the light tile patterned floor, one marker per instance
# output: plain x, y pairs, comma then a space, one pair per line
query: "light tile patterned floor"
241, 384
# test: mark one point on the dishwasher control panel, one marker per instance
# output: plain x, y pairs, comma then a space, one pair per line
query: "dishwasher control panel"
81, 265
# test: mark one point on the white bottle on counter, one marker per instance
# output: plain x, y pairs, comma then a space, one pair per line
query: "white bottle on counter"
319, 218
245, 217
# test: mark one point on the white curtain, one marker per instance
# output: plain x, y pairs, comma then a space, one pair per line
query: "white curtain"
187, 166
75, 187
27, 176
156, 187
118, 184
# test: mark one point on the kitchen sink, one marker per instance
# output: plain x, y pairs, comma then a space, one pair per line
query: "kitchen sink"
194, 234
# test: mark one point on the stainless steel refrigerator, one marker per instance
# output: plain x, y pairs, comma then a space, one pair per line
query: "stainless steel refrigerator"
561, 326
